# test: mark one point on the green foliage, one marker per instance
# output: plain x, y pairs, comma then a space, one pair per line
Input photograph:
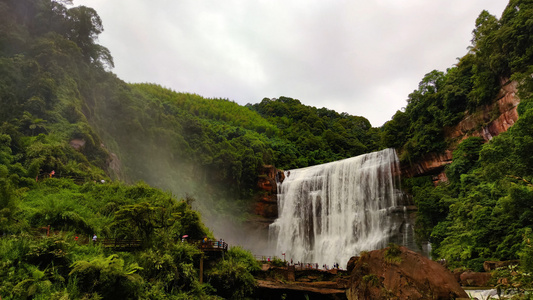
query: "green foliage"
237, 253
371, 280
315, 135
432, 203
526, 254
500, 51
50, 251
108, 276
232, 278
85, 26
60, 107
166, 219
465, 158
32, 268
278, 262
73, 139
486, 208
392, 254
173, 268
513, 280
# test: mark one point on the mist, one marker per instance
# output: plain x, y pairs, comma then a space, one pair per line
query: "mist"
227, 218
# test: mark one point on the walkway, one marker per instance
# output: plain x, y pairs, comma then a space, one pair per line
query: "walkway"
210, 245
120, 244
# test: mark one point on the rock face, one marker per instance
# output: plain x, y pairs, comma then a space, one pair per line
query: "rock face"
267, 204
492, 119
485, 123
430, 164
403, 275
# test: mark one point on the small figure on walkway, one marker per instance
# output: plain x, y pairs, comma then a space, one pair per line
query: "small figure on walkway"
94, 237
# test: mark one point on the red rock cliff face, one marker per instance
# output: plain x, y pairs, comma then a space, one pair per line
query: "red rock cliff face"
267, 204
486, 123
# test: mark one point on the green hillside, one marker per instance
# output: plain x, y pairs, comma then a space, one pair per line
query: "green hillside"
484, 212
67, 172
57, 88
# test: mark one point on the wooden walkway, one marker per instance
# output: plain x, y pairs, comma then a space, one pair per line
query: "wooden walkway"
210, 246
204, 246
119, 244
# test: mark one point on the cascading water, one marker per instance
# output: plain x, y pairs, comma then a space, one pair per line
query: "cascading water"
331, 212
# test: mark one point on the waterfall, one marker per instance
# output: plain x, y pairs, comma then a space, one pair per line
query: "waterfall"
331, 212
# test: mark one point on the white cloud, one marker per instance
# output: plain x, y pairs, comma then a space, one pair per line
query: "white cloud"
360, 57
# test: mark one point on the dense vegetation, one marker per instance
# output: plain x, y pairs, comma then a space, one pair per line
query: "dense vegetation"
81, 151
311, 136
77, 145
484, 212
56, 88
500, 51
56, 94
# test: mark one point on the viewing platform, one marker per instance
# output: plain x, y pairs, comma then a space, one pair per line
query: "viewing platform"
210, 245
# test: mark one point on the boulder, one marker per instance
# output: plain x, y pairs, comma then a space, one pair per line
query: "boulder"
478, 279
399, 273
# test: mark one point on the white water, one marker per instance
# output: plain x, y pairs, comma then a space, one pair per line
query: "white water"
483, 294
331, 212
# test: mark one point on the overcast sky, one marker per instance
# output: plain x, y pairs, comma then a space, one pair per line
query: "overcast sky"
362, 57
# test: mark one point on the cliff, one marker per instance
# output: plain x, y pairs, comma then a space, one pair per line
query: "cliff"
266, 204
486, 123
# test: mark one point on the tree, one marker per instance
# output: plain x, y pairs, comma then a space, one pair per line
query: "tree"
85, 26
